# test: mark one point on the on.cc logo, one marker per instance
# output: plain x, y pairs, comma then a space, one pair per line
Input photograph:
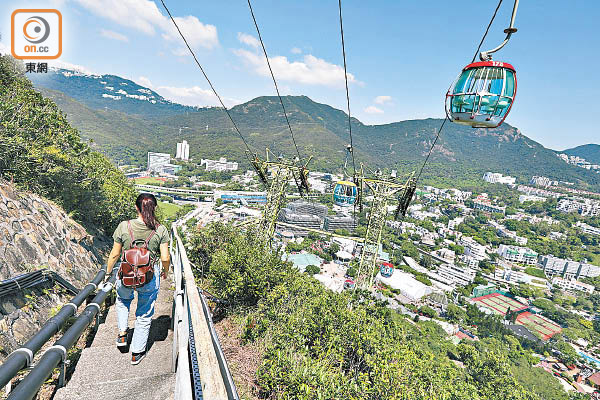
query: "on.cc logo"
36, 29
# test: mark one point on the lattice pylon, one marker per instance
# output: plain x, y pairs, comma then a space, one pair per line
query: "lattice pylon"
382, 192
275, 196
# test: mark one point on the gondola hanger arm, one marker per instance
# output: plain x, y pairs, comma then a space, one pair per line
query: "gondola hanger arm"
487, 55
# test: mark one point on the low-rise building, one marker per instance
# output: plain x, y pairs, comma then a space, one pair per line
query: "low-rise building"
469, 261
530, 197
454, 223
333, 222
472, 248
219, 165
585, 207
541, 181
518, 254
484, 204
455, 274
568, 269
572, 285
494, 177
510, 275
588, 229
446, 254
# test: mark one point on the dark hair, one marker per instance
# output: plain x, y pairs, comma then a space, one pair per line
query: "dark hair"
146, 204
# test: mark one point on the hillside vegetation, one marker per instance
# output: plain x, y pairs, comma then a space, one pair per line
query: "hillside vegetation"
312, 343
42, 153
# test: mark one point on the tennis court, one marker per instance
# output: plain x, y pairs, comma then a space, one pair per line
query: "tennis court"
537, 323
499, 303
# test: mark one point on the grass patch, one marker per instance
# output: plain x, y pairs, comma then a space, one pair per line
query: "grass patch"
150, 180
535, 272
168, 210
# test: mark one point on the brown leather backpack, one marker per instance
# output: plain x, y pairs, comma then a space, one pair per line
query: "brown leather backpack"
137, 263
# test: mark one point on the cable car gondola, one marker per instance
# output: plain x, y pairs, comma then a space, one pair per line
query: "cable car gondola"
344, 193
482, 95
484, 92
386, 269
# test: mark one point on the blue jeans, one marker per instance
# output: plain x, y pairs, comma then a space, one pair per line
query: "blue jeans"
143, 314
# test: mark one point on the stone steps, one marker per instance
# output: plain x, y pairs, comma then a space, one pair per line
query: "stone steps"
105, 371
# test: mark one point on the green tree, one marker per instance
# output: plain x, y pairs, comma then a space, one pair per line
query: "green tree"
42, 153
312, 269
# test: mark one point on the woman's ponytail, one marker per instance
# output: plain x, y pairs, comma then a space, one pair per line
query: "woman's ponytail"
146, 204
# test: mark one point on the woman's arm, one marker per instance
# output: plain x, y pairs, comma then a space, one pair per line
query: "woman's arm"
113, 257
165, 258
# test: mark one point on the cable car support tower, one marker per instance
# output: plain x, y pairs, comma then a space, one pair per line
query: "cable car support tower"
384, 192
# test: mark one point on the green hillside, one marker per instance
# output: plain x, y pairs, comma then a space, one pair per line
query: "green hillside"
591, 152
462, 155
43, 153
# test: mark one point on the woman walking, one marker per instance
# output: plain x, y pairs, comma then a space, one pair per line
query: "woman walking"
155, 237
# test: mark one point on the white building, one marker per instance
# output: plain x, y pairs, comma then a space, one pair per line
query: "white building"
156, 161
588, 229
483, 203
585, 207
511, 276
409, 287
518, 254
494, 177
572, 285
554, 266
472, 248
455, 274
446, 254
529, 197
219, 165
542, 181
469, 261
183, 151
454, 223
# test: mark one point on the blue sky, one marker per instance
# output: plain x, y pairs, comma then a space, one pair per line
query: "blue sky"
402, 55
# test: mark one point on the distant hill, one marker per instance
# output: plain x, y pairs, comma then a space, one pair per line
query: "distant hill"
591, 152
108, 92
127, 128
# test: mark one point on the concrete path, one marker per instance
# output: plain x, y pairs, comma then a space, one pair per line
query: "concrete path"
105, 372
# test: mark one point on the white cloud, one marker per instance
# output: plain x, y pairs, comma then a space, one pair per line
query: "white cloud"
248, 39
193, 96
143, 81
67, 65
382, 99
144, 16
296, 50
373, 110
113, 35
311, 71
196, 33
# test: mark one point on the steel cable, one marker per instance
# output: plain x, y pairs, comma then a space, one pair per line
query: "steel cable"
347, 92
206, 77
273, 76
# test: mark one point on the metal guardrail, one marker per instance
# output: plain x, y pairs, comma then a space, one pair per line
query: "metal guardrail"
195, 342
32, 279
23, 357
57, 354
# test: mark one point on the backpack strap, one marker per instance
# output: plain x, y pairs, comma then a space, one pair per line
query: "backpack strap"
150, 236
130, 234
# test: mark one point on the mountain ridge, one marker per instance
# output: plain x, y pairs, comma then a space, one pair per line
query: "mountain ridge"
130, 127
590, 151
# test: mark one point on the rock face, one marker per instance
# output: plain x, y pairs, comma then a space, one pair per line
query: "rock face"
35, 233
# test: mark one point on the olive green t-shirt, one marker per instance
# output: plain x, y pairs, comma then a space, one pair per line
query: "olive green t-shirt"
140, 233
